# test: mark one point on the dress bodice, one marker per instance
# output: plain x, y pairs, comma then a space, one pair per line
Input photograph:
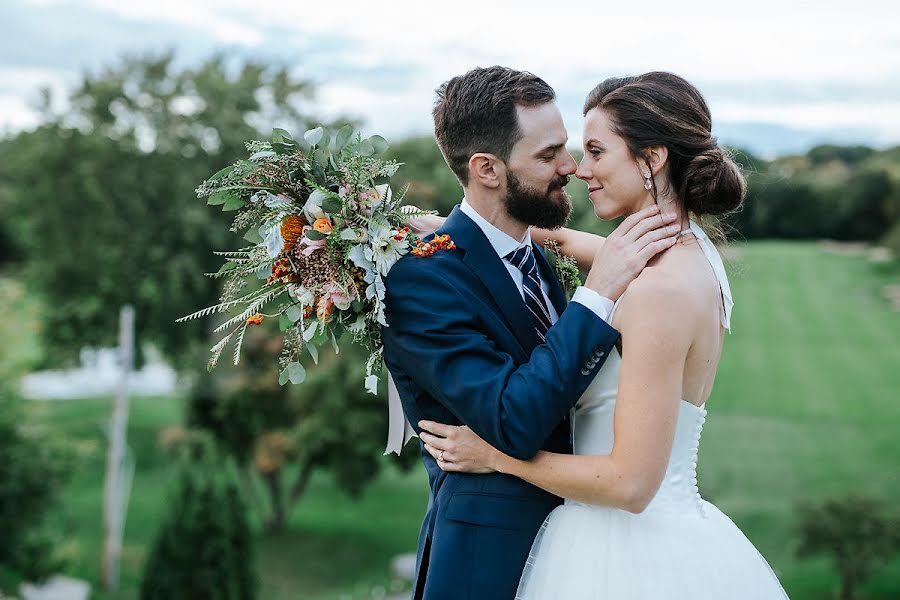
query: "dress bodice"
593, 414
593, 434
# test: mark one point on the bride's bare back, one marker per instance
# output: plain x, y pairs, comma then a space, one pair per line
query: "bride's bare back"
685, 267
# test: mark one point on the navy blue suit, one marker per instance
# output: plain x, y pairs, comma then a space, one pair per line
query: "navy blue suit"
462, 350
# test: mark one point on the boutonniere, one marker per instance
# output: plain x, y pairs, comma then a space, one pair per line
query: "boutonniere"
438, 242
565, 267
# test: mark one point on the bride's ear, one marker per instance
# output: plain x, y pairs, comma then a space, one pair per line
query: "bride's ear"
656, 157
487, 170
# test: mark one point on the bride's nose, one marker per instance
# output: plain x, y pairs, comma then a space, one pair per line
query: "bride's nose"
583, 172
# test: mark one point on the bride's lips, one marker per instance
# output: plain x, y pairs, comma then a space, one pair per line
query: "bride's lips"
593, 189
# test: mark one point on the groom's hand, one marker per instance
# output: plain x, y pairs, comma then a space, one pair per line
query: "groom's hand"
626, 251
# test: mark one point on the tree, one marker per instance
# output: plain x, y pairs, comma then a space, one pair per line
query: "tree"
282, 435
103, 194
204, 548
855, 530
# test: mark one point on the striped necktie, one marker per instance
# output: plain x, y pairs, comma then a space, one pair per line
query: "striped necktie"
523, 259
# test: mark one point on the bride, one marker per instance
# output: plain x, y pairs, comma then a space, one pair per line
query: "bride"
634, 524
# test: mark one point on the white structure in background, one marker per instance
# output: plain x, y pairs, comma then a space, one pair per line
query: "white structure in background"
99, 375
58, 587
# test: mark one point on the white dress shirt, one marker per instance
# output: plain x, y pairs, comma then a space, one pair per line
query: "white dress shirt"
503, 244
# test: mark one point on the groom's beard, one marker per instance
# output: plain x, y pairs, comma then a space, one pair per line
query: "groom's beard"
535, 207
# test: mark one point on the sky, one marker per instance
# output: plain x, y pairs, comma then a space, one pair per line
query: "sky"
780, 76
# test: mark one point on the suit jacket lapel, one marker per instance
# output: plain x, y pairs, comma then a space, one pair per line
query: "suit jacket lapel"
557, 296
481, 257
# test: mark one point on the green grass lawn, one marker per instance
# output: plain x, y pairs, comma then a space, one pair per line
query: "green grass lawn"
805, 407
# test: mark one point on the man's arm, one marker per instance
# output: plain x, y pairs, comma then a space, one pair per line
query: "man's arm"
436, 339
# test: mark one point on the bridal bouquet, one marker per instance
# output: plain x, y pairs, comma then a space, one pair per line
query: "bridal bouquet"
324, 229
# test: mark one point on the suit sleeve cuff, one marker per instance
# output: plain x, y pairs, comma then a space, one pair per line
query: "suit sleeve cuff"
599, 305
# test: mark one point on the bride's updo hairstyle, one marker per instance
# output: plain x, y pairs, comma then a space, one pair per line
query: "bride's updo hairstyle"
662, 109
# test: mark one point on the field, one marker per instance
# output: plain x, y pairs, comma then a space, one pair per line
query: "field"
805, 407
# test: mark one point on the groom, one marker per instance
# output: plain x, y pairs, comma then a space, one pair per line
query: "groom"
481, 334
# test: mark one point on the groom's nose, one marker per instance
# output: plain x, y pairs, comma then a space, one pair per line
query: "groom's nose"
568, 165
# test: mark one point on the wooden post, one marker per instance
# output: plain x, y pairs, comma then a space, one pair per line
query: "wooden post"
114, 492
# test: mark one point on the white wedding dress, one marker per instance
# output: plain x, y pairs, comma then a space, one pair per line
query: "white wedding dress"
680, 548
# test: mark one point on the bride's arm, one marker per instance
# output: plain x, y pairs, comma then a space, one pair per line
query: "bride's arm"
579, 244
646, 412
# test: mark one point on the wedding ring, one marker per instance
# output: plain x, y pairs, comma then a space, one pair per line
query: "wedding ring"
441, 456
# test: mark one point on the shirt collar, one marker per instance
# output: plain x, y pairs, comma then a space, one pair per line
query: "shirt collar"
502, 243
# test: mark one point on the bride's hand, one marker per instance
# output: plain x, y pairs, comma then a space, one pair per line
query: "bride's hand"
458, 449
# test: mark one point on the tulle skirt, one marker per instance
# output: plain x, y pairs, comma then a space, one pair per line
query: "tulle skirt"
597, 553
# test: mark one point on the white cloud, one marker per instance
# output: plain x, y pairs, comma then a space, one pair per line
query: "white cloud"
826, 45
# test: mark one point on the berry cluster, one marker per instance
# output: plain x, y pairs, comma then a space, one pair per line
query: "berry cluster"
439, 242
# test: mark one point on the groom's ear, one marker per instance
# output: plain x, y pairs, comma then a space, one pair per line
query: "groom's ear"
487, 170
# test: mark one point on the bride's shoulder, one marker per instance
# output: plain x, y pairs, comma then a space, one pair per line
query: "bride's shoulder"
659, 296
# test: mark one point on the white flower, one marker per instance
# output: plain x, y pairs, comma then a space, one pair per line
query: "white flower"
313, 206
385, 250
302, 295
372, 384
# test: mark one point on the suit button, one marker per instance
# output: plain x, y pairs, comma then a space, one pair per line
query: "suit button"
601, 353
585, 372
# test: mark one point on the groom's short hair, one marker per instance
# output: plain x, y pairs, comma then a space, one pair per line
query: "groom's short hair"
476, 112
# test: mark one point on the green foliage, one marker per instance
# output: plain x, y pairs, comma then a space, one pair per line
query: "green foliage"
205, 547
33, 469
856, 531
284, 434
850, 155
837, 192
105, 213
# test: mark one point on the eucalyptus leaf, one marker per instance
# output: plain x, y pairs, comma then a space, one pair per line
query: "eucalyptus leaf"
332, 206
222, 173
310, 331
284, 377
262, 154
314, 235
379, 143
334, 344
343, 136
281, 136
349, 234
296, 373
284, 323
314, 136
314, 352
294, 313
283, 148
366, 148
253, 236
233, 203
220, 197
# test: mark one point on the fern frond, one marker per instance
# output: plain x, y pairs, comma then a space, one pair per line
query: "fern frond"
253, 308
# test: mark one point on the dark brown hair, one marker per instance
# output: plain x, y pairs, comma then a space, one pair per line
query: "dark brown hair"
662, 109
476, 112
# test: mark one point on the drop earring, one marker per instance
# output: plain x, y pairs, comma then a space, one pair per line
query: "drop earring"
648, 183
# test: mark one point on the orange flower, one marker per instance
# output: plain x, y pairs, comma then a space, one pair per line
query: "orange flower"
323, 225
291, 230
255, 319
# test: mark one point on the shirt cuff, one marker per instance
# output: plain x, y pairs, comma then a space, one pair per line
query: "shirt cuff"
599, 305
